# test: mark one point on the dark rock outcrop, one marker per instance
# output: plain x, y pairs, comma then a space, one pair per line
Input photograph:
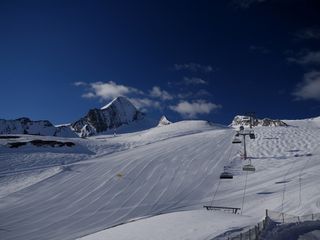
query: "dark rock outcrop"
118, 112
245, 121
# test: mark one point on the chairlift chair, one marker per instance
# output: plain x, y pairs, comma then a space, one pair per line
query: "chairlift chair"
226, 174
249, 167
236, 140
252, 136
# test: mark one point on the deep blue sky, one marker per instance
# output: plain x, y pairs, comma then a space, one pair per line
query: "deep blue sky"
214, 58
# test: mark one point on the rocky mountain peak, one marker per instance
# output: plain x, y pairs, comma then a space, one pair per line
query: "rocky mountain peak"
118, 112
163, 121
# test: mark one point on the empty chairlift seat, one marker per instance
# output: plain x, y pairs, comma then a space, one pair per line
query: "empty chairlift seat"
236, 140
226, 174
252, 136
249, 167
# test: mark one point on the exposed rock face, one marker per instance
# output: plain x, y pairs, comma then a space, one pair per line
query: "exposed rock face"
118, 112
245, 121
163, 121
27, 126
271, 122
41, 143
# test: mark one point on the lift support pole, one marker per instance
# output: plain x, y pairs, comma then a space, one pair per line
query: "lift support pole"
244, 147
244, 133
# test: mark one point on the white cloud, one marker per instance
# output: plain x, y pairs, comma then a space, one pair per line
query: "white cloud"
309, 33
108, 90
309, 88
194, 67
79, 83
202, 93
306, 58
88, 95
192, 109
156, 92
194, 81
142, 103
195, 94
185, 94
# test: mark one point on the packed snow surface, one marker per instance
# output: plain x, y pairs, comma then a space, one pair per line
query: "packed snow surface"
193, 224
162, 176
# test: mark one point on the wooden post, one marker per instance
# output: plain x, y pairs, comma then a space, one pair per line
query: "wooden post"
256, 231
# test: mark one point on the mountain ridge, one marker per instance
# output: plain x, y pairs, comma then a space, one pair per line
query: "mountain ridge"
240, 120
118, 116
25, 125
118, 112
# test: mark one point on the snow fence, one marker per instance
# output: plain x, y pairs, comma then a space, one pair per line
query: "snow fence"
280, 217
271, 221
251, 234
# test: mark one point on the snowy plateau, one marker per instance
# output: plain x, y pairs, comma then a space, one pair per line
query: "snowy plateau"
152, 183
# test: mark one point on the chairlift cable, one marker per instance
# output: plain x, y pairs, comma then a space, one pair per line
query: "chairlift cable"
215, 192
300, 180
284, 184
217, 189
244, 192
170, 206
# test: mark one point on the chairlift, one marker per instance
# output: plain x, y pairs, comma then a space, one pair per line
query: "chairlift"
237, 134
226, 175
236, 140
241, 128
252, 136
249, 167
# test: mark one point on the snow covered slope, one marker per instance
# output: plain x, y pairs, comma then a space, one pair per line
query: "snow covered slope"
118, 112
193, 224
27, 126
163, 170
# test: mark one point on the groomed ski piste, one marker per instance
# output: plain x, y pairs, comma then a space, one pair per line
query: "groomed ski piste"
153, 184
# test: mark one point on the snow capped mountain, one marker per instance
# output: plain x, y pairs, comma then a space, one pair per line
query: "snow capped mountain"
163, 121
120, 115
118, 112
27, 126
245, 121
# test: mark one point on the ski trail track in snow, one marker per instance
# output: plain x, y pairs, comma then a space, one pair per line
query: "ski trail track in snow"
93, 196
